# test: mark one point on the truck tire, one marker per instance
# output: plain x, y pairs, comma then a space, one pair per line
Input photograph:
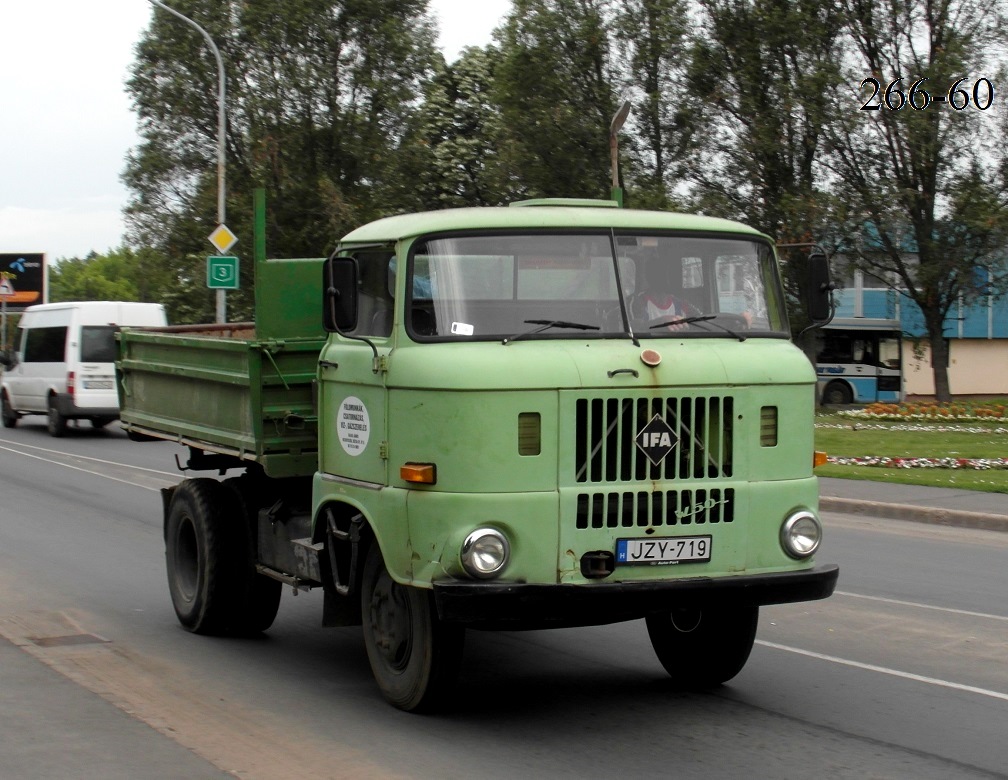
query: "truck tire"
702, 648
204, 552
10, 417
260, 601
56, 423
414, 657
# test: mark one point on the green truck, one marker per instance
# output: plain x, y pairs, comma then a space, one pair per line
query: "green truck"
557, 413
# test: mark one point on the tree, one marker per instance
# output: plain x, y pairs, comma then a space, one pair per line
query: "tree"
555, 86
919, 177
120, 275
453, 154
320, 94
761, 73
653, 36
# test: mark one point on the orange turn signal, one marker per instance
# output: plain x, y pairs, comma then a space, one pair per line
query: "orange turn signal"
422, 473
818, 458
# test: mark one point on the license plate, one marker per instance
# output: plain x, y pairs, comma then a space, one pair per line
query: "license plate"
97, 384
665, 551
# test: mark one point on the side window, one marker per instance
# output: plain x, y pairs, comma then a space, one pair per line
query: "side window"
692, 273
45, 345
375, 304
98, 343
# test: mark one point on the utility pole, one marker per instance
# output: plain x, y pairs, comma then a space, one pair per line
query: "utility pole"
221, 130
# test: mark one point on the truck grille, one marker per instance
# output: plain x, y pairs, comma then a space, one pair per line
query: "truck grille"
606, 428
642, 508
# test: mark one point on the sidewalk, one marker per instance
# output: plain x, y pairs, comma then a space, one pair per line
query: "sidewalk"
941, 506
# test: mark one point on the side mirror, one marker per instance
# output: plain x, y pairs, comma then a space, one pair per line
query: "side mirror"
339, 294
818, 289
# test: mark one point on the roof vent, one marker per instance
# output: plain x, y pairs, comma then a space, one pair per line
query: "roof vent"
579, 202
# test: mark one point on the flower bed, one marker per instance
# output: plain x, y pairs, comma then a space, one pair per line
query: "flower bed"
980, 464
995, 412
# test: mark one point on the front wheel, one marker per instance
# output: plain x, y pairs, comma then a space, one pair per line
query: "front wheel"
703, 647
414, 656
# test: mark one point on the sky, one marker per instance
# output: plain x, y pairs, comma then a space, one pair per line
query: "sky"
66, 124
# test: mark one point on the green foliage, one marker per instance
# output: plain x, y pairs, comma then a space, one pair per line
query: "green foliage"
653, 38
452, 155
555, 85
319, 96
120, 275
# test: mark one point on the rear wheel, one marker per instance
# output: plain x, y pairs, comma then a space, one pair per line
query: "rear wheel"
414, 657
260, 599
57, 423
203, 562
10, 417
702, 648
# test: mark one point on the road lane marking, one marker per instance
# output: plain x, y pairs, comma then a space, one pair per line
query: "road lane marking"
885, 670
89, 471
80, 457
917, 604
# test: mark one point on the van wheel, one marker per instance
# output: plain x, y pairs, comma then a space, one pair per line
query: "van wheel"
10, 417
414, 656
702, 648
57, 422
202, 558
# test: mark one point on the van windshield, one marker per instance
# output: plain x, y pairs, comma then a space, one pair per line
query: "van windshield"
98, 344
592, 285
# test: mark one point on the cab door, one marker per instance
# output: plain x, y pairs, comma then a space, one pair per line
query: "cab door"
353, 395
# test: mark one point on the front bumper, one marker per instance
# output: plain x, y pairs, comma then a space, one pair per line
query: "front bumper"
517, 605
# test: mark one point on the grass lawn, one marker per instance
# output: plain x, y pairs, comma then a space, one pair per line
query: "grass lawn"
846, 436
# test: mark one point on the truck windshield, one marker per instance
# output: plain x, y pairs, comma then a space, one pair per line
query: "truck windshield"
593, 285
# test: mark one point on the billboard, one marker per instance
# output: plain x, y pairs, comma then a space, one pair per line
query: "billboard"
22, 279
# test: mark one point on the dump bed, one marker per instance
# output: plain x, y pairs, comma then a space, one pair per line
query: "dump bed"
240, 389
222, 390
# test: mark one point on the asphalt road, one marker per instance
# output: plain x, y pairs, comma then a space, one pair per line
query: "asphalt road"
903, 673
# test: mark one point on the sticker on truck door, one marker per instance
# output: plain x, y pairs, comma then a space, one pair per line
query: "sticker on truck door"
353, 425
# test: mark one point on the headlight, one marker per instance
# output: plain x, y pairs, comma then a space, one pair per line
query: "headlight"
485, 553
801, 533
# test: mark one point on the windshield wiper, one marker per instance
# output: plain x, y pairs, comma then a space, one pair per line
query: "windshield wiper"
673, 320
546, 325
676, 320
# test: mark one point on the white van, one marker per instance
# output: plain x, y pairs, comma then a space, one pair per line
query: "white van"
64, 363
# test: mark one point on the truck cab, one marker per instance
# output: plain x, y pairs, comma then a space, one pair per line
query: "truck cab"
529, 445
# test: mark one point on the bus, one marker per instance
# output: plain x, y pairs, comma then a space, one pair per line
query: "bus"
859, 361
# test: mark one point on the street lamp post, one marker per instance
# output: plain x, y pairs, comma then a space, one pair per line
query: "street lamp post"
221, 129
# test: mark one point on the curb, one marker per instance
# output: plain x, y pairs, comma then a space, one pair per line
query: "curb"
918, 514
